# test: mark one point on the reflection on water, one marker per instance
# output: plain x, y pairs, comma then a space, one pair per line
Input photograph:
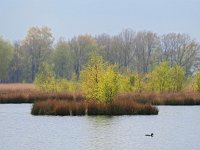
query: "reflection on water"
176, 127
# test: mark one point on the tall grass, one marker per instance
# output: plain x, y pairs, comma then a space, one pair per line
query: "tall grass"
65, 108
38, 96
16, 87
164, 98
26, 93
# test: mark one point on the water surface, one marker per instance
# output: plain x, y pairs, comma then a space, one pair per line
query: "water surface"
176, 127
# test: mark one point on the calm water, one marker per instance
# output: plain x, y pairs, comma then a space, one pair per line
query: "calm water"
175, 128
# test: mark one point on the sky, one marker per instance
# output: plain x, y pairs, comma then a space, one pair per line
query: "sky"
69, 18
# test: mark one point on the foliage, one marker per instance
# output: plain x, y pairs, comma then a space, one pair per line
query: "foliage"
166, 78
177, 78
129, 50
124, 81
160, 78
99, 81
136, 82
91, 75
108, 85
45, 79
196, 82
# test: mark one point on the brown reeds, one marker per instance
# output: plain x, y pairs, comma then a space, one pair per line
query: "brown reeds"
58, 107
65, 108
121, 108
16, 87
37, 96
164, 98
26, 93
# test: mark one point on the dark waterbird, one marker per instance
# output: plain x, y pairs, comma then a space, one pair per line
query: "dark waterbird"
151, 135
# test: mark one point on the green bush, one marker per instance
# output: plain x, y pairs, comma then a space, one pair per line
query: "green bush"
196, 82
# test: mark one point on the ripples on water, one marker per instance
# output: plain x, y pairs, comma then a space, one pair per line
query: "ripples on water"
176, 127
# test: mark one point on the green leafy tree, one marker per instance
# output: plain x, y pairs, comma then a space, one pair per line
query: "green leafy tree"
91, 76
100, 81
109, 85
160, 78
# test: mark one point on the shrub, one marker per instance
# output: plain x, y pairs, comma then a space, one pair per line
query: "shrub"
196, 83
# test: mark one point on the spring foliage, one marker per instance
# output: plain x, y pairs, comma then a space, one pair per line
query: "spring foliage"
45, 81
166, 78
109, 85
100, 81
177, 78
196, 82
136, 82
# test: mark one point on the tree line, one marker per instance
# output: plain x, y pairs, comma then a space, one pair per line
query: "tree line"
130, 51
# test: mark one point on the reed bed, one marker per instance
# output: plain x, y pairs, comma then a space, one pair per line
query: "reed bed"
66, 108
31, 97
16, 87
27, 93
164, 98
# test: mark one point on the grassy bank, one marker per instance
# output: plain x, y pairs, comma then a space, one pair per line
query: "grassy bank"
66, 108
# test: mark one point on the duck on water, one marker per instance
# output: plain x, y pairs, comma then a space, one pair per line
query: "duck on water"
151, 135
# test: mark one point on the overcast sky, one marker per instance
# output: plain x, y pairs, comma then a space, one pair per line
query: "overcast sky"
68, 18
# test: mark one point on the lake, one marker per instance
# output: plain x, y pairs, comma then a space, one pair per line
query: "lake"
175, 128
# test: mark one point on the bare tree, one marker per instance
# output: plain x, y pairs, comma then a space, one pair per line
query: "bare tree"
81, 47
147, 51
127, 38
179, 49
